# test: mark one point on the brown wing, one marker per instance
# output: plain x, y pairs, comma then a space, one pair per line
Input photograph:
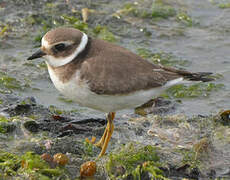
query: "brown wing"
115, 70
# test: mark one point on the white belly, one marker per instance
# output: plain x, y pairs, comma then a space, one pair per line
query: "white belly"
79, 92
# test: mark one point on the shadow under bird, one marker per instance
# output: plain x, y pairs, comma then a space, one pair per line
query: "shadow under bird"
104, 76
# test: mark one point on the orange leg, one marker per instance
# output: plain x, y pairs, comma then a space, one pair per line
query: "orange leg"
104, 141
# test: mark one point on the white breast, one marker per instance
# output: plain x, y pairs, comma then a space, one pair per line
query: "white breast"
75, 89
78, 91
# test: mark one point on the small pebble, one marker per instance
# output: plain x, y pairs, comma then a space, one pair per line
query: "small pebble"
88, 169
60, 159
47, 157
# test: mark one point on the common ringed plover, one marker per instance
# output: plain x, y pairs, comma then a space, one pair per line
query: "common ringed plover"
103, 76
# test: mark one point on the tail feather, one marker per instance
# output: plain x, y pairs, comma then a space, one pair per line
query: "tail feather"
199, 76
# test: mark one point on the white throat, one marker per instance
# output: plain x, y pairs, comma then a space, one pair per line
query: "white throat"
56, 62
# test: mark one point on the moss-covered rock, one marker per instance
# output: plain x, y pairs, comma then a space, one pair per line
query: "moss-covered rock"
31, 126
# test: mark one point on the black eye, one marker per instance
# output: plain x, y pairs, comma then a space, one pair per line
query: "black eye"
60, 47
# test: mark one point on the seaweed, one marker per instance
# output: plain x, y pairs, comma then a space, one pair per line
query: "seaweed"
135, 162
191, 91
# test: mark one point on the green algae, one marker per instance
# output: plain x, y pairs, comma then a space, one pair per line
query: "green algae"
41, 32
55, 110
9, 163
42, 65
3, 127
28, 165
8, 82
134, 161
146, 32
224, 5
33, 19
166, 59
129, 8
221, 4
75, 22
102, 32
191, 91
65, 100
35, 167
161, 10
3, 119
184, 18
88, 148
193, 157
190, 158
3, 30
31, 161
6, 125
45, 24
158, 10
148, 167
144, 53
133, 9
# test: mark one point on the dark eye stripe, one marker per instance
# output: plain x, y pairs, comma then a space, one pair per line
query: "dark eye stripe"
60, 47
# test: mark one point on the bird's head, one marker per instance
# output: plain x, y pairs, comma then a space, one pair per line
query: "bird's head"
61, 45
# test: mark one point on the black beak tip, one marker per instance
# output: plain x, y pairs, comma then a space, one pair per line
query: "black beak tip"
29, 58
37, 54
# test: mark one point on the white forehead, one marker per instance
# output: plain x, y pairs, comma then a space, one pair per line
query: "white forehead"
47, 45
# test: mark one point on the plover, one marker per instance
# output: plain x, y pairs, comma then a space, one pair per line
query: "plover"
104, 76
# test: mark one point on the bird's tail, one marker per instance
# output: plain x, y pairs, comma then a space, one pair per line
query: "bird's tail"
199, 76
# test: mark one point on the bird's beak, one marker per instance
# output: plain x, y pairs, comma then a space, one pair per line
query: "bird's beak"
39, 53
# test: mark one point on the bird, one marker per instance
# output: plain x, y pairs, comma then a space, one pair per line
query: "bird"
104, 76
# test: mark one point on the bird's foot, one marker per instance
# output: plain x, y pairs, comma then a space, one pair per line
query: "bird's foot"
92, 141
100, 143
104, 141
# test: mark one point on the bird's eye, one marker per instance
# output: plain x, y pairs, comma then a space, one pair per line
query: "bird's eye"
60, 47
